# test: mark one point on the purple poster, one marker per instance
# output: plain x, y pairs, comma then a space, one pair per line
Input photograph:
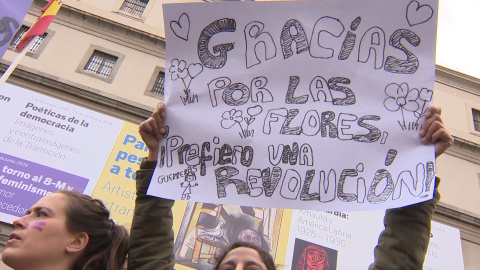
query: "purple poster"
23, 183
11, 16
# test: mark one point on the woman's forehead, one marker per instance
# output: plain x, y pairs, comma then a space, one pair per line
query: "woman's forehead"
54, 201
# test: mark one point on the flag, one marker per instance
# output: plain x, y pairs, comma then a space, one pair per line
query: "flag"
42, 23
11, 16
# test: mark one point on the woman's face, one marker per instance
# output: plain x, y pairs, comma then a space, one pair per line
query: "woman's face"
242, 258
41, 236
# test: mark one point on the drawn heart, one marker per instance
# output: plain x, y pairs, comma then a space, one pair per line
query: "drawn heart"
417, 14
182, 27
195, 69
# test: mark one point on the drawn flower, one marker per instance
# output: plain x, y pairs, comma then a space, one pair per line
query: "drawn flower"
178, 69
425, 94
230, 118
399, 96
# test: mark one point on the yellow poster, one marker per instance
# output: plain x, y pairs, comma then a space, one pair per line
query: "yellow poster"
116, 185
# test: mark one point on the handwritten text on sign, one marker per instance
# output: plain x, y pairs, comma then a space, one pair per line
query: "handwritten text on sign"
313, 105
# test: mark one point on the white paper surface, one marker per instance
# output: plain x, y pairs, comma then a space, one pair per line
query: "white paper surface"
311, 104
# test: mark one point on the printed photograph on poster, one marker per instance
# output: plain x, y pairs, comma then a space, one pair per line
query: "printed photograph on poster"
311, 256
207, 228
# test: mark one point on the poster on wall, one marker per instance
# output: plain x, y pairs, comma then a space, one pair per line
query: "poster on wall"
46, 145
206, 229
11, 17
445, 248
116, 184
339, 240
306, 104
346, 240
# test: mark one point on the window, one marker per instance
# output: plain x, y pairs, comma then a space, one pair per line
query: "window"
101, 63
476, 119
134, 7
156, 85
34, 44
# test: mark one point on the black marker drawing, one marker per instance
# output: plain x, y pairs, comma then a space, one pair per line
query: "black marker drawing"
335, 29
349, 41
400, 97
236, 94
290, 155
418, 14
384, 137
407, 100
425, 96
372, 42
232, 117
392, 153
179, 69
293, 32
256, 37
400, 66
208, 59
190, 178
381, 188
416, 185
181, 28
6, 30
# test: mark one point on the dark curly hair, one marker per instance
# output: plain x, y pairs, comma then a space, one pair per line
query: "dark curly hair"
108, 242
267, 259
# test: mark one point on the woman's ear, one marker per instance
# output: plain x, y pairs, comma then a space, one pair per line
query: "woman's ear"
78, 244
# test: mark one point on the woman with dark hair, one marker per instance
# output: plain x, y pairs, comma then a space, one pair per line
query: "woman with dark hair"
66, 230
245, 256
402, 245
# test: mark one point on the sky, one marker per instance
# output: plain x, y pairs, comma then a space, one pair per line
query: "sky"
458, 36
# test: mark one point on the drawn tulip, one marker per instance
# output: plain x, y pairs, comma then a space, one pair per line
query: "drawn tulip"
253, 111
425, 96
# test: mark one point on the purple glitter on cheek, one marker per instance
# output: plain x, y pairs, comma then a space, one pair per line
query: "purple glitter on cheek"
38, 225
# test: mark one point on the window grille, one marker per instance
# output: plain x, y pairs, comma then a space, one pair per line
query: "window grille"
101, 63
36, 42
476, 119
134, 7
158, 86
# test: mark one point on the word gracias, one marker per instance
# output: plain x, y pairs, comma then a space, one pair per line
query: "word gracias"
373, 40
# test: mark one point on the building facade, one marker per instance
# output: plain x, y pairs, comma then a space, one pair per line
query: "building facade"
109, 56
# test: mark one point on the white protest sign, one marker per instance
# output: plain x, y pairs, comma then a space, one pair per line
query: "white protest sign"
312, 104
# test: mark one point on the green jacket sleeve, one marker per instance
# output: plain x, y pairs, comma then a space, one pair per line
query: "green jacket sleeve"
151, 234
404, 241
